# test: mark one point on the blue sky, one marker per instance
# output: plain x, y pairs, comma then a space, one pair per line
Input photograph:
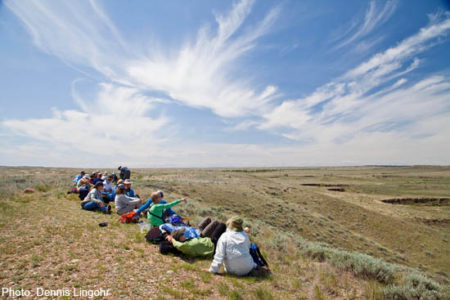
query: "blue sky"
224, 83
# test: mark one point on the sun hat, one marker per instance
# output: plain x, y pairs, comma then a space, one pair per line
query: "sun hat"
127, 181
121, 186
235, 223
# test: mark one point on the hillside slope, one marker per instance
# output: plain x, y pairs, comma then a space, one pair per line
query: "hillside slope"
48, 241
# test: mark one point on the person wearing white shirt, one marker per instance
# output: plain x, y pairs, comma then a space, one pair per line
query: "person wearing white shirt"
233, 250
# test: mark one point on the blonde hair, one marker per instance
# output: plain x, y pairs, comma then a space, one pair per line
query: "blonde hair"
155, 195
235, 223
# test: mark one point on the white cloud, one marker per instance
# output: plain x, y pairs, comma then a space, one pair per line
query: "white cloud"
374, 17
372, 113
116, 122
201, 73
364, 98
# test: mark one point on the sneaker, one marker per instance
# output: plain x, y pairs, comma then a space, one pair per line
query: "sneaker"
109, 210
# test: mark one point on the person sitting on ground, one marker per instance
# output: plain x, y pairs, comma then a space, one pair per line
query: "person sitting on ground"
125, 204
93, 200
97, 178
114, 177
78, 177
155, 213
125, 173
128, 190
83, 187
193, 247
233, 250
108, 185
143, 208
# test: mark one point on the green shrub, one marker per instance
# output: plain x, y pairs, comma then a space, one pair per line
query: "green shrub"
364, 265
42, 187
414, 286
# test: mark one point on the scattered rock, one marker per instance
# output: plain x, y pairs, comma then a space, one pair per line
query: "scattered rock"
170, 272
28, 190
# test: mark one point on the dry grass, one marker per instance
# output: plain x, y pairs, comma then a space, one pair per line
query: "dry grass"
48, 241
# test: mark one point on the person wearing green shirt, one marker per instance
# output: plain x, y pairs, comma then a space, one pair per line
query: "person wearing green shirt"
155, 212
195, 247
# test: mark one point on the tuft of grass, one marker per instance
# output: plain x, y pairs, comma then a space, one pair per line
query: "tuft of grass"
318, 295
223, 289
235, 295
263, 294
173, 292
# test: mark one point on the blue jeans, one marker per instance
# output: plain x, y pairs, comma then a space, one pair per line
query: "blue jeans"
91, 205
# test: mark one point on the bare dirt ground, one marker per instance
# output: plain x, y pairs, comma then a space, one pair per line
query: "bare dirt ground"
48, 241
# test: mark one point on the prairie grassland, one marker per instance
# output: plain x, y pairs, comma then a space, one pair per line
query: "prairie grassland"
325, 232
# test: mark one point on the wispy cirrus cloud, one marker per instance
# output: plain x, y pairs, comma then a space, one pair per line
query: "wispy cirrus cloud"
375, 16
199, 74
369, 97
372, 113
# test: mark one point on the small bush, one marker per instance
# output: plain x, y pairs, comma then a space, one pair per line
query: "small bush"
414, 286
42, 187
364, 265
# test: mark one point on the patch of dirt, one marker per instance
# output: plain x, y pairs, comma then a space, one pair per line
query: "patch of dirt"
325, 184
337, 189
436, 222
423, 201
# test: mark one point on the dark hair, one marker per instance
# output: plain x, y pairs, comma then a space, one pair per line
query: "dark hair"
177, 234
99, 184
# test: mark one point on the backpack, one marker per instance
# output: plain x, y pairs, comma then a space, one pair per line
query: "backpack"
131, 217
154, 236
257, 256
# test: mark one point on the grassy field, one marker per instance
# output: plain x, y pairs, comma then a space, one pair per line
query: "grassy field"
325, 232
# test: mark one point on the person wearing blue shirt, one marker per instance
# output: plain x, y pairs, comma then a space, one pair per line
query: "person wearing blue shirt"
78, 177
129, 190
146, 205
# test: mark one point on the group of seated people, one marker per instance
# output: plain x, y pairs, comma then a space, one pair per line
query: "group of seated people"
228, 243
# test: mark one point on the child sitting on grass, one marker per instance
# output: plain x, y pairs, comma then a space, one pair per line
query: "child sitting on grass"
155, 213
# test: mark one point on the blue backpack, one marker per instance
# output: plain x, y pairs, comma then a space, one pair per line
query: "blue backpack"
257, 256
